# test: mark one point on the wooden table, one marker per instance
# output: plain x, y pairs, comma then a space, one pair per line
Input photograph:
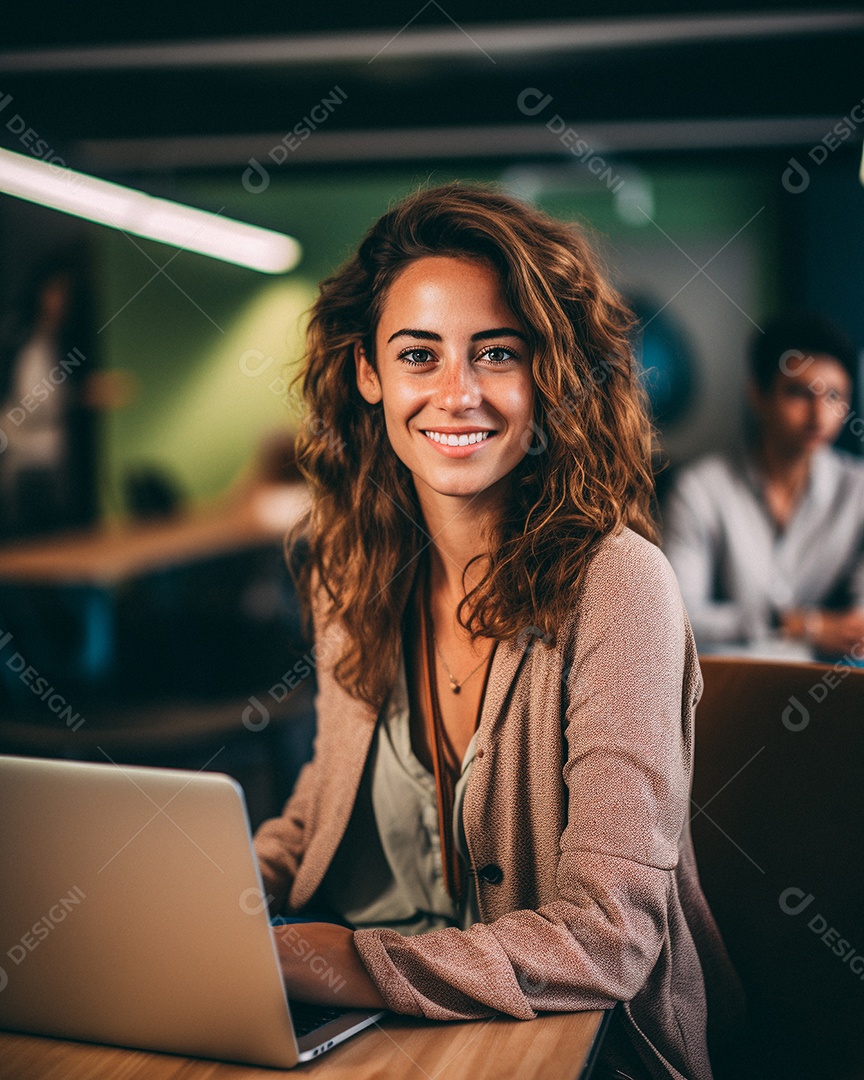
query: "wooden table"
82, 574
107, 556
555, 1046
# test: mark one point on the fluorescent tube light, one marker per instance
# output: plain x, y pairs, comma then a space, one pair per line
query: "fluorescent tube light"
144, 215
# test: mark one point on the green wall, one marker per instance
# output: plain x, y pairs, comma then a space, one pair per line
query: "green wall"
182, 334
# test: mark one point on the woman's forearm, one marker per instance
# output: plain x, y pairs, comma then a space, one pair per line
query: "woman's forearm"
320, 964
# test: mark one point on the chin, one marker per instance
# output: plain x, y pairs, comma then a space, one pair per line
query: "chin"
463, 487
460, 491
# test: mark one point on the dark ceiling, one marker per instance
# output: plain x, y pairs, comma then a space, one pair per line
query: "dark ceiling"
99, 22
133, 90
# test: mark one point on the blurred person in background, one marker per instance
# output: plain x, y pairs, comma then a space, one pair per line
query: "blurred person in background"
47, 446
768, 541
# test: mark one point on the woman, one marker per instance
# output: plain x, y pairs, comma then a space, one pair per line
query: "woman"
498, 800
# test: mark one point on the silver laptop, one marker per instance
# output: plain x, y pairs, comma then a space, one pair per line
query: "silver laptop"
132, 913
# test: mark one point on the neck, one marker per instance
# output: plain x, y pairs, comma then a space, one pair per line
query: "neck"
460, 528
790, 468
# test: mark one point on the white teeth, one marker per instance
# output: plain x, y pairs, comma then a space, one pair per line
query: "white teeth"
458, 440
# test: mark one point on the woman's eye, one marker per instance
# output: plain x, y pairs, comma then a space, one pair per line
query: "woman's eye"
418, 357
497, 354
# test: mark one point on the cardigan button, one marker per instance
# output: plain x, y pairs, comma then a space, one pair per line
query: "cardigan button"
491, 874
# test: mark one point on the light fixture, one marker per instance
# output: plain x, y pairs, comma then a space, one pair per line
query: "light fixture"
144, 215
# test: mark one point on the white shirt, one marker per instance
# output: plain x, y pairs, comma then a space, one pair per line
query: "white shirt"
388, 869
35, 409
737, 569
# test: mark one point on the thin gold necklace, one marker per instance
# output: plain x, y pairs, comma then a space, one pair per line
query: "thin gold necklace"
455, 684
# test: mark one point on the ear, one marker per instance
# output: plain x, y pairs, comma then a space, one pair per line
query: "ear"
367, 377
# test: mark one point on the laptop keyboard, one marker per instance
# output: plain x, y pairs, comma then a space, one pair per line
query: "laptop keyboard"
308, 1017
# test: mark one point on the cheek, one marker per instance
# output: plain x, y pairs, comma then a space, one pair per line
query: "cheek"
517, 403
832, 416
400, 402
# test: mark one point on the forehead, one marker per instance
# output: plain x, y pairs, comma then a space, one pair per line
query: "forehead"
441, 286
819, 370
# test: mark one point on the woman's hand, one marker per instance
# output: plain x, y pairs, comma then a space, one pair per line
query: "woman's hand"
320, 964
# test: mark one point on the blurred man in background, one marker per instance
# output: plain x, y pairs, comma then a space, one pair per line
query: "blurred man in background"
768, 541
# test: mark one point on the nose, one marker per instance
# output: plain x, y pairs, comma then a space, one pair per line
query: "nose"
458, 387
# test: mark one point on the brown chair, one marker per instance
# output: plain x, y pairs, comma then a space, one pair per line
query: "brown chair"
778, 827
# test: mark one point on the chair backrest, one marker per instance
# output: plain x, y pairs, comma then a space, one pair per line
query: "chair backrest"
778, 827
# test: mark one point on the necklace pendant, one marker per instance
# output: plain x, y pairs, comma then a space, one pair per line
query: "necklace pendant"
454, 685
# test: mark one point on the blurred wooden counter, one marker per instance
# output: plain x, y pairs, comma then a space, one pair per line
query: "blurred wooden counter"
108, 556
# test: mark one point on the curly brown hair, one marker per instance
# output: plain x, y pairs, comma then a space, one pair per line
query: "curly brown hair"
588, 472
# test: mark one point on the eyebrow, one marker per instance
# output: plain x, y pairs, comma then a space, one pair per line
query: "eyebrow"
482, 335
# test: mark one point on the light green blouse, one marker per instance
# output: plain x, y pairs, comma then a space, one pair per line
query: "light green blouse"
387, 871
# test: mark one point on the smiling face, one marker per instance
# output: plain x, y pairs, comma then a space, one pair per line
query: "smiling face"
453, 372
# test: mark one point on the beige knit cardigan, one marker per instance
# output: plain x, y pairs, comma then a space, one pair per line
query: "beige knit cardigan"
576, 819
